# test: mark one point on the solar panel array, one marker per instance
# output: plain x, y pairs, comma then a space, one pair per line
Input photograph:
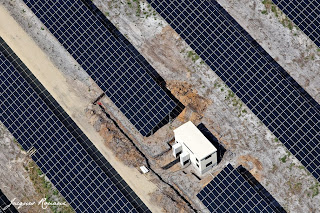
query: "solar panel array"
139, 58
73, 128
64, 161
230, 192
277, 100
305, 14
124, 42
261, 190
5, 204
108, 63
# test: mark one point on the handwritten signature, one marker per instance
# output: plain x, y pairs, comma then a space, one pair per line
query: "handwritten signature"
43, 203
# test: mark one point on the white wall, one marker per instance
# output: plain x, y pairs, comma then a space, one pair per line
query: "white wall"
203, 163
179, 140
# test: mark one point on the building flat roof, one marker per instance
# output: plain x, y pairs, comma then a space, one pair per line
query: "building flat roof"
193, 138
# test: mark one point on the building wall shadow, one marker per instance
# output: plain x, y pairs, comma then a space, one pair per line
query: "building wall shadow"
220, 148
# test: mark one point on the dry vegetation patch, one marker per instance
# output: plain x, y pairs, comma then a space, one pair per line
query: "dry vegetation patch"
46, 190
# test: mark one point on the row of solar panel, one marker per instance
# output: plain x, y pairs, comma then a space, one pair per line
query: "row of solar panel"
73, 128
305, 14
230, 192
64, 161
279, 102
273, 203
109, 64
124, 42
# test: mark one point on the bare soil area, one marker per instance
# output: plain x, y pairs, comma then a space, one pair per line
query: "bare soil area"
114, 139
127, 153
252, 164
190, 98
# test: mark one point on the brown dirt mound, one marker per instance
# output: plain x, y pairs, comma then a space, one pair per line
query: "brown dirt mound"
189, 97
253, 165
163, 49
115, 140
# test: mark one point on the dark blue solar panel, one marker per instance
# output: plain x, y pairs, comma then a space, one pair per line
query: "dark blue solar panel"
230, 192
108, 63
305, 14
59, 155
122, 39
278, 101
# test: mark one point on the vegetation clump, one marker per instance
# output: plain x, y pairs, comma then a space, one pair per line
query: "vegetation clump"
271, 7
45, 189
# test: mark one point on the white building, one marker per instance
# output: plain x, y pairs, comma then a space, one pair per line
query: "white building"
193, 147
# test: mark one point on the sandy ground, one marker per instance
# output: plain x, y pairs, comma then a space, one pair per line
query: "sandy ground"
73, 102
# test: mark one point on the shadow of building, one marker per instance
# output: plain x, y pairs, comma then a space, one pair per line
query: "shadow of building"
220, 149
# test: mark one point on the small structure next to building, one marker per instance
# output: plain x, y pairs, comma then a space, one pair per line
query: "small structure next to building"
193, 147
